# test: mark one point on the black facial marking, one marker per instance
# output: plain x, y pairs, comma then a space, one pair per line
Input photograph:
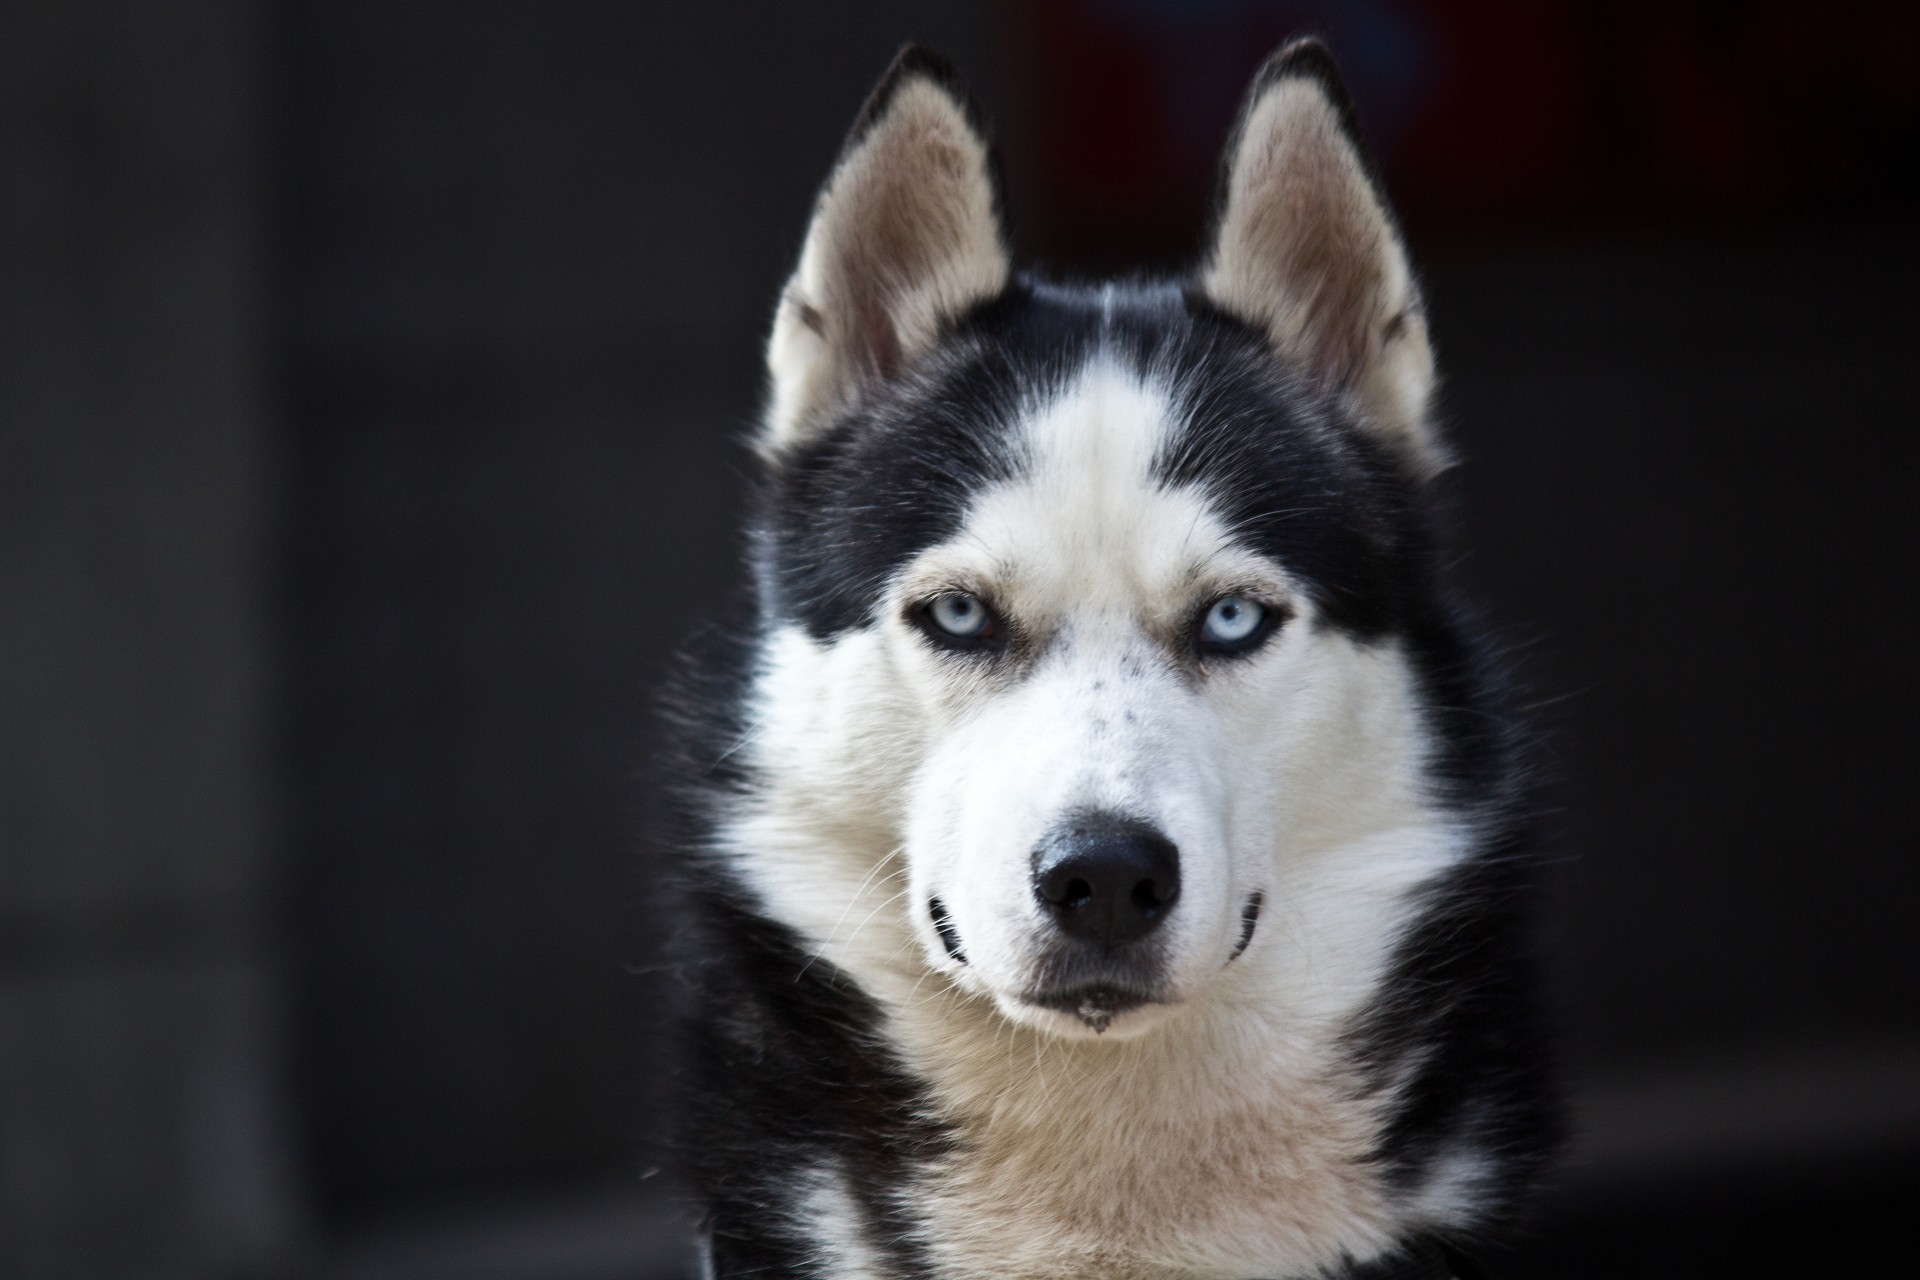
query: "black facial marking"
1249, 918
1293, 478
892, 477
943, 925
1291, 475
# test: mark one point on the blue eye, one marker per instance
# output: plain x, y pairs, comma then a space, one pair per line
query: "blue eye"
961, 616
1233, 622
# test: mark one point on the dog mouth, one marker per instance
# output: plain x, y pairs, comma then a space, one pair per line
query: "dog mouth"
1096, 1004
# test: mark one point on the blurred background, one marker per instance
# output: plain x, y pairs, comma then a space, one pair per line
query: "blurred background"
372, 378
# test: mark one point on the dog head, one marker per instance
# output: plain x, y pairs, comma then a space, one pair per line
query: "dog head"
1087, 606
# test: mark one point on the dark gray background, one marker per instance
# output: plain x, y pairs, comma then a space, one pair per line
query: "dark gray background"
371, 383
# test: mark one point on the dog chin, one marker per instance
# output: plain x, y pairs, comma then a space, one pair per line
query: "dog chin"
1090, 1013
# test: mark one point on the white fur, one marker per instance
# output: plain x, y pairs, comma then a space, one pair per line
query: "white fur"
1219, 1136
1454, 1187
832, 1219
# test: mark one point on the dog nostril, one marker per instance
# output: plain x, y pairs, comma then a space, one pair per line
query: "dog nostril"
1147, 896
1064, 889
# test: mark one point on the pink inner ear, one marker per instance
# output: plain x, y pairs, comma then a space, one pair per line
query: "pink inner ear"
906, 233
876, 340
1337, 285
890, 248
1311, 238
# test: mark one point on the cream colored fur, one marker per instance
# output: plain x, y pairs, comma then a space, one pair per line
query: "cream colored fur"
904, 237
1305, 250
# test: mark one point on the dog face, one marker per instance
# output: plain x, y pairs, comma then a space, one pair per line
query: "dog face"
1136, 706
1086, 608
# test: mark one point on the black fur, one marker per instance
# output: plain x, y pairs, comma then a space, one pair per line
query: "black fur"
782, 1053
801, 1071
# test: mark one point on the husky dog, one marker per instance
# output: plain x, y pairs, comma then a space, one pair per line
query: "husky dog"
1108, 837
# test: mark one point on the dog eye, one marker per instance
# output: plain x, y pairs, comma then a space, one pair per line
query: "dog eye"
959, 616
1233, 623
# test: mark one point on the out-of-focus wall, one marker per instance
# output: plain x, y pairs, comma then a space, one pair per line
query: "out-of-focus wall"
141, 1132
526, 254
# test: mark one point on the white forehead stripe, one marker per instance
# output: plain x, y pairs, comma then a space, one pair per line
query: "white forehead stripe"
1098, 440
1087, 514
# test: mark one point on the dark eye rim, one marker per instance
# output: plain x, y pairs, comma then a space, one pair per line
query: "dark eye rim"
991, 638
1271, 619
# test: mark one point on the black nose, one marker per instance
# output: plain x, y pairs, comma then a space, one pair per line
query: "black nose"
1107, 879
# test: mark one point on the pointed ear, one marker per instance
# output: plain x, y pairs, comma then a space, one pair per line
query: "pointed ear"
906, 235
1306, 249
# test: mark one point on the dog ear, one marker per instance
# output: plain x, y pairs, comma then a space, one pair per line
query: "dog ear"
1306, 249
906, 234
